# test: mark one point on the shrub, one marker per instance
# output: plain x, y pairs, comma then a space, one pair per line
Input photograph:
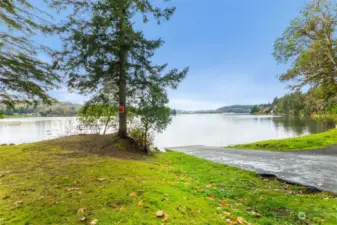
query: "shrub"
98, 118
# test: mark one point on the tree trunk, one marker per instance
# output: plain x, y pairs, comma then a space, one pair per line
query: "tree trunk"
122, 131
146, 150
107, 123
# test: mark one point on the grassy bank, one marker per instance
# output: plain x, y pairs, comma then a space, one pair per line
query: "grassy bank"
312, 141
80, 179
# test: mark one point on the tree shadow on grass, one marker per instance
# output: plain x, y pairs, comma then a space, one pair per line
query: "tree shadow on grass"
103, 145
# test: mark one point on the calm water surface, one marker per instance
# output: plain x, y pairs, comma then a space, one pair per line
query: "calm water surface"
189, 129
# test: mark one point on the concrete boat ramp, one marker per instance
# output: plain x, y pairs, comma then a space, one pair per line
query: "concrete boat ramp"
315, 169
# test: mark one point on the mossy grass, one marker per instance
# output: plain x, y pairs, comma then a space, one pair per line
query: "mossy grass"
78, 179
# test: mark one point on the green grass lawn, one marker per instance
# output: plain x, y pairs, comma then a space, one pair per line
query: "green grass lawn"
312, 141
80, 179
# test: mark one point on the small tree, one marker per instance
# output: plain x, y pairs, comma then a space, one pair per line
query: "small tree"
99, 118
153, 113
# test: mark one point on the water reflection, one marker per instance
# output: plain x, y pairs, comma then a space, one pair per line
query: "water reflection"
301, 126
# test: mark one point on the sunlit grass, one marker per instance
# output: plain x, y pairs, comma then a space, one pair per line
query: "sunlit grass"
56, 182
312, 141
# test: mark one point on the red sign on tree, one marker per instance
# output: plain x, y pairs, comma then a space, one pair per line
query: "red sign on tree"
121, 109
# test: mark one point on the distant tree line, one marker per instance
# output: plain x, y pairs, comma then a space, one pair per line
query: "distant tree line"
306, 104
59, 109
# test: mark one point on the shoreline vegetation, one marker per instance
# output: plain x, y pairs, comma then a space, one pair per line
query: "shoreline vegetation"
307, 142
105, 179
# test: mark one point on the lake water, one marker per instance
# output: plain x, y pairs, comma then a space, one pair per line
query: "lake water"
186, 129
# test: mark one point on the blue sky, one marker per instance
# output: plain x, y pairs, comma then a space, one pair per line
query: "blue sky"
228, 46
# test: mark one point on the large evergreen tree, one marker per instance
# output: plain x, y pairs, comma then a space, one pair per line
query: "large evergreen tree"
23, 76
103, 52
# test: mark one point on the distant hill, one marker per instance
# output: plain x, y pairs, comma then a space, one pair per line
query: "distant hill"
235, 109
225, 109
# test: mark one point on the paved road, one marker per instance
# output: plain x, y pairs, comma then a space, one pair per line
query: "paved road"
316, 169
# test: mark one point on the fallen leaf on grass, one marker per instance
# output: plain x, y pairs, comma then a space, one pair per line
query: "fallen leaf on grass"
73, 189
113, 206
256, 214
140, 203
83, 219
4, 173
166, 217
160, 213
212, 196
94, 222
228, 221
227, 213
241, 220
208, 185
17, 203
224, 203
81, 210
99, 179
5, 197
133, 194
262, 198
